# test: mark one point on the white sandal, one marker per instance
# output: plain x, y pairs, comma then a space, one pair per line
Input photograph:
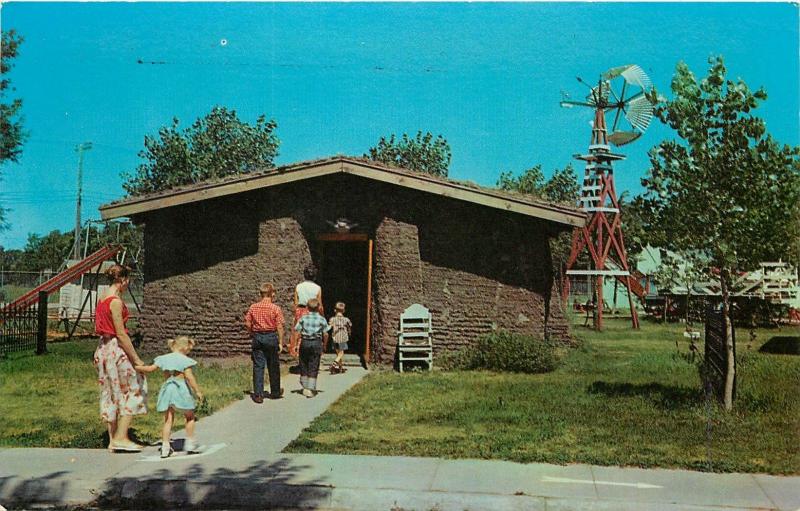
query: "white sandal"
166, 453
130, 447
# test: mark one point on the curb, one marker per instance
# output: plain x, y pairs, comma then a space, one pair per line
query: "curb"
232, 494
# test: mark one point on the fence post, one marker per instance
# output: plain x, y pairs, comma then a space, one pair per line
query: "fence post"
41, 335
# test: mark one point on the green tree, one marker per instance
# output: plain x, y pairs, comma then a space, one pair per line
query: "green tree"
529, 182
9, 258
214, 146
117, 233
12, 134
635, 225
562, 187
48, 252
423, 153
726, 189
45, 252
682, 271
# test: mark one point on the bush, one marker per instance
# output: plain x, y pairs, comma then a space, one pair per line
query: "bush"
505, 351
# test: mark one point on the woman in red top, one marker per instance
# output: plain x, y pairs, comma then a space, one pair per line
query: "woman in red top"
123, 392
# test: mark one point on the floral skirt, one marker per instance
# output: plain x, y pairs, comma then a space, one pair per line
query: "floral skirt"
123, 391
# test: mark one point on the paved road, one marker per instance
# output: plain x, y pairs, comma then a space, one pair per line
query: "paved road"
245, 468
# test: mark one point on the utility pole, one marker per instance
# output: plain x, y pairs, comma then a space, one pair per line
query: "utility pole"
80, 148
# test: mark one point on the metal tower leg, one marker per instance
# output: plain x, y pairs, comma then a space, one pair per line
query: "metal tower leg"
634, 314
598, 324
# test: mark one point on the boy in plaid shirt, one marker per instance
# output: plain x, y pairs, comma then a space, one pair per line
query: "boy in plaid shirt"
313, 331
264, 321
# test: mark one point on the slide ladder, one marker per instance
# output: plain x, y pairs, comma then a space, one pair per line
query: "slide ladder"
636, 285
65, 277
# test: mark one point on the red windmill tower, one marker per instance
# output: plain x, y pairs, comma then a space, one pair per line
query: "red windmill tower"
602, 239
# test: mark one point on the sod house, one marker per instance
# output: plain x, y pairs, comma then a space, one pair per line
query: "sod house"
382, 239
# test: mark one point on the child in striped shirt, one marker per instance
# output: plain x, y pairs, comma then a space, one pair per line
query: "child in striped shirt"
341, 328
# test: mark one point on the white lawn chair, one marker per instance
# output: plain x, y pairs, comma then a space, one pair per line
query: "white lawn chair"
415, 339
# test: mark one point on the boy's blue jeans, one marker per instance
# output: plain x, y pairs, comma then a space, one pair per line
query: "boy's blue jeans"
310, 354
265, 353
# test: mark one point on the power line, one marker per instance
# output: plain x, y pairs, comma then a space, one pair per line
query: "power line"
47, 141
47, 195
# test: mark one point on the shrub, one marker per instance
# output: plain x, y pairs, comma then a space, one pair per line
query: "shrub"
505, 351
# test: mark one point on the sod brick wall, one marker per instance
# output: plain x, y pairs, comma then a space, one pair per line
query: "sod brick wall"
476, 268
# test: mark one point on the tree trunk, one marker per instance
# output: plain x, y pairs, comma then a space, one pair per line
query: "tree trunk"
688, 301
729, 348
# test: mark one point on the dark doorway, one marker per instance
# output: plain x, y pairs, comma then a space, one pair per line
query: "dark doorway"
344, 277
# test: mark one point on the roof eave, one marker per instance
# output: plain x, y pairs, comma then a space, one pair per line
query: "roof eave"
137, 206
247, 183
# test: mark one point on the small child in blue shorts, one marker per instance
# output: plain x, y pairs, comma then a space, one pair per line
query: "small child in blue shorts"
178, 391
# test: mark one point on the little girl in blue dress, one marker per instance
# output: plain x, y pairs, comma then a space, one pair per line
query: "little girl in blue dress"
178, 392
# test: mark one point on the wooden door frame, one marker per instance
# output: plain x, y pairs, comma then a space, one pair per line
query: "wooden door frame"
336, 236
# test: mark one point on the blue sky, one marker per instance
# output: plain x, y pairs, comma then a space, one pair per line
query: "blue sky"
338, 76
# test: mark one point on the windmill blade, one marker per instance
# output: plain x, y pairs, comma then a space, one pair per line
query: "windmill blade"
616, 119
594, 98
639, 112
619, 110
570, 104
619, 138
632, 74
613, 72
636, 76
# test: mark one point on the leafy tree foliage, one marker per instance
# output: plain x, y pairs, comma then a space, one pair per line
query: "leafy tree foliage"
727, 188
214, 146
636, 225
530, 181
562, 187
423, 153
682, 270
12, 134
49, 251
45, 252
9, 258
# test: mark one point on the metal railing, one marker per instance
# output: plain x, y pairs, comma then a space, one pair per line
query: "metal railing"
23, 328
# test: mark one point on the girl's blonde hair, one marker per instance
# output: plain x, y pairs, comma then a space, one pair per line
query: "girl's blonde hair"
182, 341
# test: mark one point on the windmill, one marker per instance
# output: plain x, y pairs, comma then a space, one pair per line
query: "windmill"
620, 91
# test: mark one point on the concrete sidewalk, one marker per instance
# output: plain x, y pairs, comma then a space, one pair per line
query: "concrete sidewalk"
248, 433
369, 483
245, 468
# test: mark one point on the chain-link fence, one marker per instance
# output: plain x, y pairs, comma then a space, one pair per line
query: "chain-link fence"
14, 284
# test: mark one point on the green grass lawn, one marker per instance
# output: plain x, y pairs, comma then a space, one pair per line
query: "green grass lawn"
52, 400
623, 398
10, 292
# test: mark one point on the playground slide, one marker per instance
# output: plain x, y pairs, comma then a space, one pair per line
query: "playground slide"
65, 277
635, 284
